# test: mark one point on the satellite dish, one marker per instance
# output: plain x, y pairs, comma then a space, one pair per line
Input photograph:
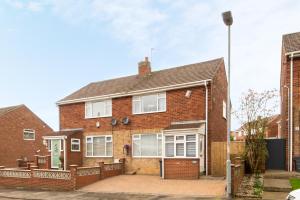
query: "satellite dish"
114, 122
125, 120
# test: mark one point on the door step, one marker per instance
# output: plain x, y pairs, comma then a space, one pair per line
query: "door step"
277, 185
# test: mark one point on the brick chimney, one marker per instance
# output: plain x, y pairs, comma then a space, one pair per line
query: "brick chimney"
144, 67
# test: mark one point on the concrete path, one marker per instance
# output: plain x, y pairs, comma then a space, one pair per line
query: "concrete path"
277, 185
274, 195
155, 185
8, 194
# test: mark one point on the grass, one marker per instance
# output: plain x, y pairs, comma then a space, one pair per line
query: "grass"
295, 183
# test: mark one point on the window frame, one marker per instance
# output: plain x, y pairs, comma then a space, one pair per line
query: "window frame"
106, 141
224, 110
179, 142
90, 103
79, 141
134, 99
159, 136
29, 131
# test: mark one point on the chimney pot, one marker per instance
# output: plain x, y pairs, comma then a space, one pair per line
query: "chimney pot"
144, 67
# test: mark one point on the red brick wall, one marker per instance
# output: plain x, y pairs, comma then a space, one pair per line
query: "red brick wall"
183, 168
217, 125
179, 108
285, 80
74, 158
12, 144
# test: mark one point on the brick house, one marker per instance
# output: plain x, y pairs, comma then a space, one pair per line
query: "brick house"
289, 92
20, 135
171, 115
273, 129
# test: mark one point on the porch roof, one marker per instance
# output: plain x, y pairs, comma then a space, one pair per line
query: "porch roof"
64, 132
184, 125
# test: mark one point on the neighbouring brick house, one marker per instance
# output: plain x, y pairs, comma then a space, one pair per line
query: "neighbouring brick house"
290, 99
273, 129
163, 115
21, 134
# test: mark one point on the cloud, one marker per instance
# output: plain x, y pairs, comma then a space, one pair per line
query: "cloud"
34, 6
190, 31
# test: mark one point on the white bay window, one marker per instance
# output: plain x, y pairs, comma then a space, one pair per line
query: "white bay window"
98, 109
147, 145
149, 103
99, 146
181, 145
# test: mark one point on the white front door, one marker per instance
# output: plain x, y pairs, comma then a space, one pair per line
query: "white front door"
55, 153
201, 152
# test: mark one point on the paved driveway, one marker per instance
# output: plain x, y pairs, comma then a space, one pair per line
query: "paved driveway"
140, 184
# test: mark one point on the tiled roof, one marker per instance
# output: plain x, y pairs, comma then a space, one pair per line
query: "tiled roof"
168, 77
6, 110
291, 42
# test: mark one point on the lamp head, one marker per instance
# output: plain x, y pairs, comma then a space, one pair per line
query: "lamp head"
227, 18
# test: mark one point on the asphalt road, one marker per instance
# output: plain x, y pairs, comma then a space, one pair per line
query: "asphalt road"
6, 194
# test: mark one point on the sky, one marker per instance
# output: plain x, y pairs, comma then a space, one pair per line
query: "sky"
51, 48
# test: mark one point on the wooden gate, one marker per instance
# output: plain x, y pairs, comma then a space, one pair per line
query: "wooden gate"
218, 156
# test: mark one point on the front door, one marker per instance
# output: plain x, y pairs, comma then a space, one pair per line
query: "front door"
55, 153
201, 152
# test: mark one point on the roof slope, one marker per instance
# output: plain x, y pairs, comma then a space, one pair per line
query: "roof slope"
6, 110
291, 42
168, 77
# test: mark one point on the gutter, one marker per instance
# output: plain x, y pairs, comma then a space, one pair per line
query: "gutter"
136, 92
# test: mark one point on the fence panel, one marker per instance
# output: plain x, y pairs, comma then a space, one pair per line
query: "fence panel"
218, 156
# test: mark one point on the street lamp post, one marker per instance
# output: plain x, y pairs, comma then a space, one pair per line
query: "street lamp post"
227, 18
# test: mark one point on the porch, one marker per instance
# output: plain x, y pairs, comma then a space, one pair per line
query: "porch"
138, 184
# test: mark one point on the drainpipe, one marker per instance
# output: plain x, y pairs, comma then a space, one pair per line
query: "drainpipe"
206, 127
291, 111
163, 156
288, 119
65, 155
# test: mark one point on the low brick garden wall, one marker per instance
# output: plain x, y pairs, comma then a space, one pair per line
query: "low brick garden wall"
45, 179
237, 174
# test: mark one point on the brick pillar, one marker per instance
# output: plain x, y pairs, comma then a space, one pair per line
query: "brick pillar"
101, 165
122, 161
233, 181
48, 162
32, 167
36, 160
73, 170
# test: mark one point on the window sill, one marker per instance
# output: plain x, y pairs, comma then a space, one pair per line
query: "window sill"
146, 157
142, 113
99, 156
98, 117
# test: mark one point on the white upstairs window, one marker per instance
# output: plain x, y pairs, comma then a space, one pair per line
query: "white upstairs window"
98, 109
149, 103
28, 134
